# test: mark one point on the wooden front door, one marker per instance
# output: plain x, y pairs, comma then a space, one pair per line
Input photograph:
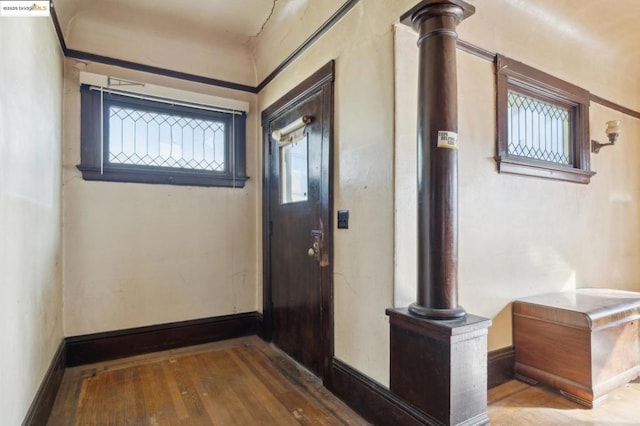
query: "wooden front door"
298, 296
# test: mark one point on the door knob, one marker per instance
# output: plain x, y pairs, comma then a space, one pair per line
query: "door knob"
314, 250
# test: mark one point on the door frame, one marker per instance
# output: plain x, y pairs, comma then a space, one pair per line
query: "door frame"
322, 80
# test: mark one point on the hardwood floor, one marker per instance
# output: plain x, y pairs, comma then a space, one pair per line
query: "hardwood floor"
237, 382
517, 403
248, 382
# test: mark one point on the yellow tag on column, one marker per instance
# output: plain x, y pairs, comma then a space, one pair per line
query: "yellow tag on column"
447, 140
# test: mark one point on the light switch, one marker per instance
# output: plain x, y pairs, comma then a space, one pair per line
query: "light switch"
343, 219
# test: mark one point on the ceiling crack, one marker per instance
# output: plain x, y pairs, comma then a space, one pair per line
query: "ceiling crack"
273, 6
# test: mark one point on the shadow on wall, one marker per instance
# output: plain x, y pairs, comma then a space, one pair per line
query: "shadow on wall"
503, 322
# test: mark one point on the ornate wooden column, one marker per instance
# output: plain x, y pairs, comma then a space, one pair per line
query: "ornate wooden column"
438, 351
435, 22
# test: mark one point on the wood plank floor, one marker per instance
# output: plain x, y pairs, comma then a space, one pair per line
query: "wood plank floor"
237, 382
248, 382
517, 403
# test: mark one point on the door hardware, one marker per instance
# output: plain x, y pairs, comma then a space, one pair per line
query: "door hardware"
314, 251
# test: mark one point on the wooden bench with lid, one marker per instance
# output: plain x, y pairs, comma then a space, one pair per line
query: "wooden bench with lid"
584, 342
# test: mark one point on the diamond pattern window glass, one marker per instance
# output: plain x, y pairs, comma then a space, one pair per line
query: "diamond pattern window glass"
538, 129
542, 124
164, 140
132, 139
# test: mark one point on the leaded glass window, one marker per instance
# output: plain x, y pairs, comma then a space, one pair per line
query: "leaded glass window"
538, 129
542, 124
136, 139
152, 138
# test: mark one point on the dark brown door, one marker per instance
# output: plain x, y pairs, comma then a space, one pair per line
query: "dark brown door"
298, 290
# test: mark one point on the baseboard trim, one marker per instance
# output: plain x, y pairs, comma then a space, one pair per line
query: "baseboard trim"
377, 404
110, 345
40, 408
260, 330
374, 402
500, 366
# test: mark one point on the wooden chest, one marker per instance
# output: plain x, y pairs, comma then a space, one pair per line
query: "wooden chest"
584, 342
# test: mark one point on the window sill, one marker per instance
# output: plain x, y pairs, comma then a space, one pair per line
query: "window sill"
160, 176
542, 169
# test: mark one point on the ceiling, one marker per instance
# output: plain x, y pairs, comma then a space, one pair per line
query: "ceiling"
232, 19
607, 31
611, 29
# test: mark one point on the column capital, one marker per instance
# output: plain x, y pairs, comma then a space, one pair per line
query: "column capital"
408, 17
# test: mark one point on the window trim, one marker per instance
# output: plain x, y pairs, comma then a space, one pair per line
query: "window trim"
95, 166
528, 81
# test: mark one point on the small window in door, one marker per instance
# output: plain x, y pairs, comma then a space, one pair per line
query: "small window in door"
294, 173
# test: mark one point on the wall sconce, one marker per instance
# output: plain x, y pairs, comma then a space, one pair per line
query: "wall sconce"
612, 131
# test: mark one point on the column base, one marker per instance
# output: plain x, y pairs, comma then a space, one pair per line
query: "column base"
440, 366
433, 313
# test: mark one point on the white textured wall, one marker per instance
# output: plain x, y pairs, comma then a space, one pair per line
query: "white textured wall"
139, 254
518, 236
361, 44
30, 220
521, 236
170, 43
292, 22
